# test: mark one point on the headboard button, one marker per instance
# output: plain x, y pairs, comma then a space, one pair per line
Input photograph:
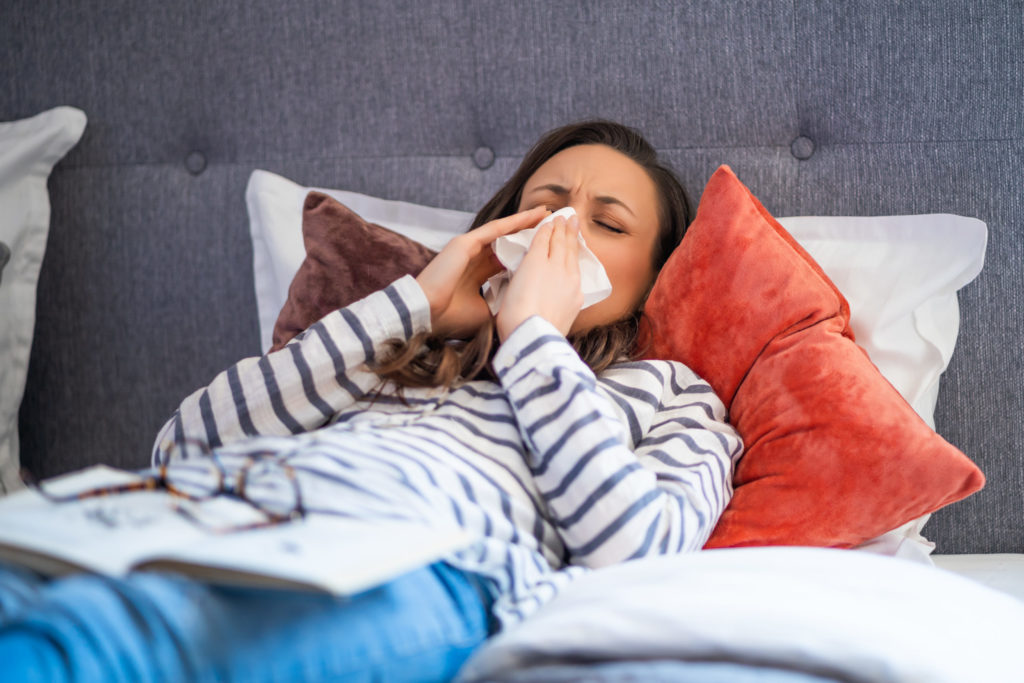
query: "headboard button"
195, 162
483, 157
802, 148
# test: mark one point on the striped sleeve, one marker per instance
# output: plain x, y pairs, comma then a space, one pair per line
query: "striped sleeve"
609, 502
303, 385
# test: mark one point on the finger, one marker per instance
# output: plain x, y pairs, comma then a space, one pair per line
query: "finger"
509, 224
540, 247
559, 247
572, 251
484, 265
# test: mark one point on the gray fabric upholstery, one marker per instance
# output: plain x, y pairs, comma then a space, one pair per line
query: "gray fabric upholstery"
146, 290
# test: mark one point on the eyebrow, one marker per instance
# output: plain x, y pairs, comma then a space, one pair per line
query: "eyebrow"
562, 191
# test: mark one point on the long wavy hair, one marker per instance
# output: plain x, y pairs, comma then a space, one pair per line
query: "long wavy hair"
428, 360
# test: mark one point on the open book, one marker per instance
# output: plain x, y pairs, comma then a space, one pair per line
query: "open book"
143, 531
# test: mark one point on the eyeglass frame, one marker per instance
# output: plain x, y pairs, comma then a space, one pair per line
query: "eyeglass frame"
160, 481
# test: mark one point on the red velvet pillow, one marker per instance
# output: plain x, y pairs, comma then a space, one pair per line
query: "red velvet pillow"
834, 455
346, 260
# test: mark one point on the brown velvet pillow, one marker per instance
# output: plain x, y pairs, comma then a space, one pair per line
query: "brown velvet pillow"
346, 260
834, 455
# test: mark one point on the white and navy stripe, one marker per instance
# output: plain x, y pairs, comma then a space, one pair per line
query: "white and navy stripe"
550, 467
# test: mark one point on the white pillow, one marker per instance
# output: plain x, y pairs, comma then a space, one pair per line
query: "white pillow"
29, 148
899, 273
848, 616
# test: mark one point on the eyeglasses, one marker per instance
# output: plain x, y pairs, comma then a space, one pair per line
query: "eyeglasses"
265, 483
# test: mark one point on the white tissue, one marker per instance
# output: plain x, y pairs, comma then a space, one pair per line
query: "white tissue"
510, 250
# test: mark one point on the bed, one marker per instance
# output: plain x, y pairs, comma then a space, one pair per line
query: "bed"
156, 157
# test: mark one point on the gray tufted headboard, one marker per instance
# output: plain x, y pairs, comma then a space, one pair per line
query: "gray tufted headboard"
846, 108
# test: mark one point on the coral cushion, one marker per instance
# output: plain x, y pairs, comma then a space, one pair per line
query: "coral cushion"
834, 455
347, 258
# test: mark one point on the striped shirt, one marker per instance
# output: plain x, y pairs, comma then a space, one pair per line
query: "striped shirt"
552, 469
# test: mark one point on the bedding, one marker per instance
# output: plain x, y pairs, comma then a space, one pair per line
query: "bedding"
1000, 571
658, 671
275, 208
841, 615
899, 273
902, 273
346, 260
834, 455
29, 149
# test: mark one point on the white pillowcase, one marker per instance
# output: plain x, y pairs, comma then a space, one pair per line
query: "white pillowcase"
29, 148
851, 616
900, 275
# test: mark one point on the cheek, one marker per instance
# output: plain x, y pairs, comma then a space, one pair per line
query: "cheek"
629, 276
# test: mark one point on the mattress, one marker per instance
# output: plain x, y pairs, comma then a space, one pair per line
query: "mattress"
1001, 571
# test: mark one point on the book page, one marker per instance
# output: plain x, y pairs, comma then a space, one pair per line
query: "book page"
105, 534
115, 534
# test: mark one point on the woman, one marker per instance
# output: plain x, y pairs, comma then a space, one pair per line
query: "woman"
549, 445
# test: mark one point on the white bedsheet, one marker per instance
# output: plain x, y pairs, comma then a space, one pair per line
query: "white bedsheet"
851, 615
1002, 571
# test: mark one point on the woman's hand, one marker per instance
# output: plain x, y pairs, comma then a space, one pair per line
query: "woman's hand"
452, 280
547, 282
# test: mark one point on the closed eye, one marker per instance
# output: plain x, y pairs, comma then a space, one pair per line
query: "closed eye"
611, 228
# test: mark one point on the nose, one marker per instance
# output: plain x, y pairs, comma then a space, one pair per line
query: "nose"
583, 216
579, 210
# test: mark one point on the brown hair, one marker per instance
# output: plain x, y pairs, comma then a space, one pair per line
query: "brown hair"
429, 361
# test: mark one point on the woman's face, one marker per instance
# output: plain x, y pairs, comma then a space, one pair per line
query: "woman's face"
616, 202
